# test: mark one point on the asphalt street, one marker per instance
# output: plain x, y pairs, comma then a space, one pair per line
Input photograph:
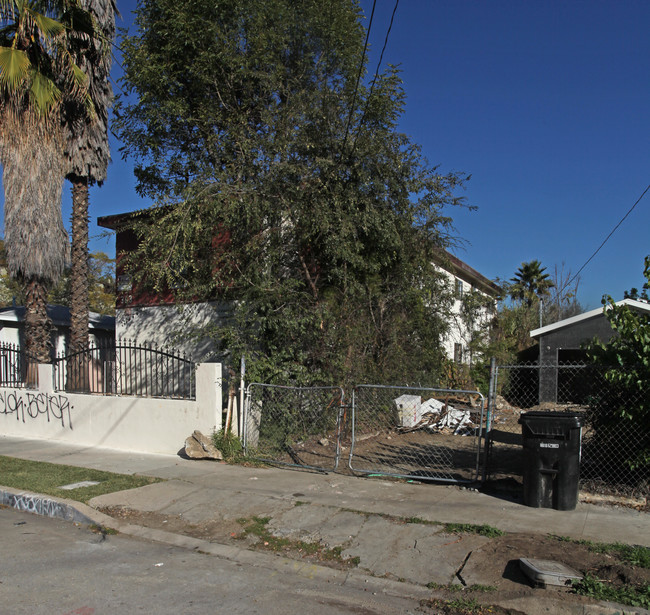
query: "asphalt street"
55, 567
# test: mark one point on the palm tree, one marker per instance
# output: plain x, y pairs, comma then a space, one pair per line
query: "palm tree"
87, 151
530, 282
36, 73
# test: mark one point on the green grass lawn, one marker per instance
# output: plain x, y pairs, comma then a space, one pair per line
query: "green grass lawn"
46, 478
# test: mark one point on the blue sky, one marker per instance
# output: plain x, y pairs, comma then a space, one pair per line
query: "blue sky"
545, 104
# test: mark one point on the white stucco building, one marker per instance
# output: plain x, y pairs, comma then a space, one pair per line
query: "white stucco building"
463, 282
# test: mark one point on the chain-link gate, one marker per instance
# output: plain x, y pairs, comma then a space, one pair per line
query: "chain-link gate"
296, 426
428, 434
419, 433
615, 418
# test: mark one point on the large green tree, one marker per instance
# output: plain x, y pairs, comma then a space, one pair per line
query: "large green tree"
37, 74
286, 186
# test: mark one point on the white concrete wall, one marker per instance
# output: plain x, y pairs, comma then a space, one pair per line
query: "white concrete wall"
126, 423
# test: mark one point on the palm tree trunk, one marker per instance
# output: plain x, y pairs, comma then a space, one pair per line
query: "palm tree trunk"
37, 327
77, 365
79, 266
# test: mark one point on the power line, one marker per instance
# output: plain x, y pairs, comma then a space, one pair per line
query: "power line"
361, 65
372, 86
607, 238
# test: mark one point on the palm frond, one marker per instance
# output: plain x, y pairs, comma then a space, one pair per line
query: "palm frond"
14, 67
43, 92
7, 9
48, 27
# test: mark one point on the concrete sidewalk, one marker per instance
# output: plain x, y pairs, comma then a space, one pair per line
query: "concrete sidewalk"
333, 509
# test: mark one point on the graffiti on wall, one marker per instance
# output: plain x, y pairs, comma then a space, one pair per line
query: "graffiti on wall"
26, 404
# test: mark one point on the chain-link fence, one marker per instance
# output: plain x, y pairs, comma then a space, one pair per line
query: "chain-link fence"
615, 446
416, 432
433, 434
297, 426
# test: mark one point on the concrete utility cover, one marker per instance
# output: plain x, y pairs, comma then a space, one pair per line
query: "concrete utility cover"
547, 572
83, 483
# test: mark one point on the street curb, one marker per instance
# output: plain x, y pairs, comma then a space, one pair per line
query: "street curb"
45, 505
77, 512
545, 606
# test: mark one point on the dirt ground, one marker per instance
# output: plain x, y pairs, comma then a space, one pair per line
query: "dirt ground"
380, 447
498, 559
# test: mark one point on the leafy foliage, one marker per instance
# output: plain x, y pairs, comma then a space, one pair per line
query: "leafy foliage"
626, 360
631, 595
315, 215
510, 330
36, 68
229, 444
469, 528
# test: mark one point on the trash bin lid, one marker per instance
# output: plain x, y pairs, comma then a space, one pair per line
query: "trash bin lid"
563, 418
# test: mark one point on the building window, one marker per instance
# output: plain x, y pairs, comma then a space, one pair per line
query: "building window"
458, 353
458, 292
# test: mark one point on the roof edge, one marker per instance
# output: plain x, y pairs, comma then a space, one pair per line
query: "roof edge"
461, 268
642, 306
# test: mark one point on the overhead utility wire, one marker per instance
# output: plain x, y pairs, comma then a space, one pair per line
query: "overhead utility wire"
607, 238
356, 87
372, 86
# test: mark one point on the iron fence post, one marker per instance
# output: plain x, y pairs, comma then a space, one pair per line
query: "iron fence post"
488, 421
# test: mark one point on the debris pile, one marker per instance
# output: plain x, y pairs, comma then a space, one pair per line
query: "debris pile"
433, 415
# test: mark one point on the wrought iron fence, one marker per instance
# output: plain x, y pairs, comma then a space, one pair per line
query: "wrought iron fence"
296, 426
615, 456
126, 368
418, 433
17, 369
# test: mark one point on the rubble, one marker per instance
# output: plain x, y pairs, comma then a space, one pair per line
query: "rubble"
433, 415
199, 446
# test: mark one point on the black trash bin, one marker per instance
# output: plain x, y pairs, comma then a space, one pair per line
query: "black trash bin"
551, 459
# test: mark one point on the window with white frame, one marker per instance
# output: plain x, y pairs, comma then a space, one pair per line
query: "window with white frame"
458, 290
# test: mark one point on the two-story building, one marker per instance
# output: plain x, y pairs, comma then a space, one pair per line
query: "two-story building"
156, 317
473, 306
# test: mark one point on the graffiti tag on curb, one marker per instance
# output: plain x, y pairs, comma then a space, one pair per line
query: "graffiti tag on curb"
38, 505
